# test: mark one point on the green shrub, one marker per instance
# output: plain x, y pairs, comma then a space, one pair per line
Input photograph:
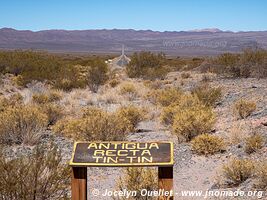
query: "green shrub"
40, 175
207, 144
254, 143
21, 124
208, 95
237, 171
147, 65
137, 179
191, 121
244, 108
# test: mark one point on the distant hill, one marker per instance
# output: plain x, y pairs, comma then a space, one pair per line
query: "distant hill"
191, 43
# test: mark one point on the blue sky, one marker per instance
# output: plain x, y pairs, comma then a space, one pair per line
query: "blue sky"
170, 15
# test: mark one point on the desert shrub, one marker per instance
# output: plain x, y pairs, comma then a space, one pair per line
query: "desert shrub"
132, 114
28, 66
3, 103
114, 82
21, 124
40, 98
167, 114
39, 176
253, 63
95, 124
185, 101
13, 100
146, 65
244, 108
254, 143
129, 90
54, 95
97, 74
71, 76
207, 144
191, 121
261, 175
154, 85
43, 98
205, 78
137, 179
165, 97
53, 112
227, 59
208, 95
237, 171
185, 75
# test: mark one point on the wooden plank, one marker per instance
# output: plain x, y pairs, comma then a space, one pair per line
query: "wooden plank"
119, 154
165, 180
79, 183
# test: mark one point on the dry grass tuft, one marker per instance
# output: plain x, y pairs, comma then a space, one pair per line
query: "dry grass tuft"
261, 175
207, 144
254, 143
137, 179
165, 97
237, 171
244, 108
208, 95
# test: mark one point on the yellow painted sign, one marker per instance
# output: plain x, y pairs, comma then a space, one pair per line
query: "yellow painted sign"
122, 154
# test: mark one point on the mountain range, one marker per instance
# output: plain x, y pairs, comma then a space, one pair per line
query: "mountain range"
183, 43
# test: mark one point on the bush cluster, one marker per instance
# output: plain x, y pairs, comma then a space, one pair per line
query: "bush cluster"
97, 124
250, 63
187, 115
63, 74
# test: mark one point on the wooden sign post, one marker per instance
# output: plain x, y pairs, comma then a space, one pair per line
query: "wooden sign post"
121, 154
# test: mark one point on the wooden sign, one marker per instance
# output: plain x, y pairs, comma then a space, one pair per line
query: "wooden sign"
122, 154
